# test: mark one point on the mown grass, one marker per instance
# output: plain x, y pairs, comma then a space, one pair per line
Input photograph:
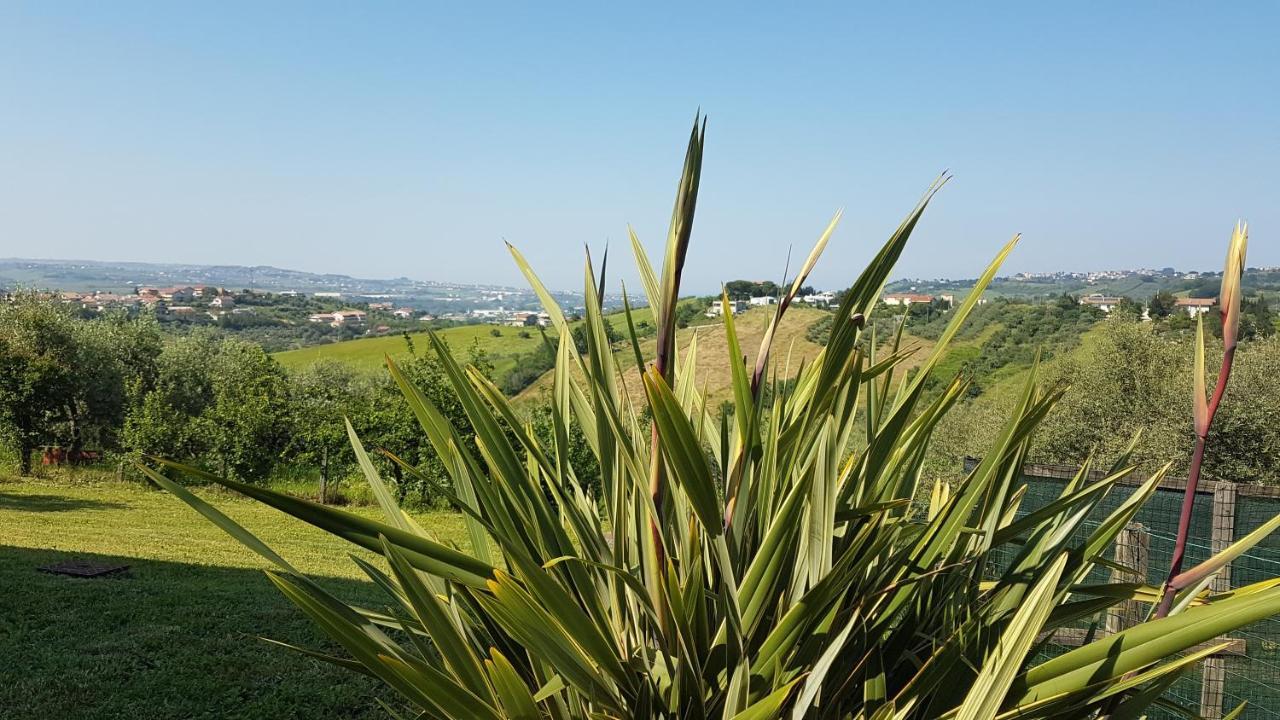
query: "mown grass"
174, 636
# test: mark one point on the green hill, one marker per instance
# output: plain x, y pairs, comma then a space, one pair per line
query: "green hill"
503, 350
791, 348
367, 353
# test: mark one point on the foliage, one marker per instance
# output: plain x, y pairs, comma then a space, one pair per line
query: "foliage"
744, 569
390, 423
1133, 378
323, 397
1129, 381
580, 341
820, 331
69, 383
1013, 333
747, 289
218, 401
688, 312
37, 378
1162, 305
1257, 320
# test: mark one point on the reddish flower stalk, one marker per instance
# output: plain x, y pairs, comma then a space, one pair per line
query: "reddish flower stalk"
1229, 301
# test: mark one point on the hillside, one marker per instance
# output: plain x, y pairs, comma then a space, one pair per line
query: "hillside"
1138, 285
123, 277
790, 349
503, 350
996, 344
367, 353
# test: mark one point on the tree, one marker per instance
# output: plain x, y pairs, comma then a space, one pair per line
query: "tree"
1130, 380
38, 357
1130, 307
579, 334
1134, 378
219, 402
116, 368
747, 289
248, 420
388, 423
1162, 305
322, 397
168, 420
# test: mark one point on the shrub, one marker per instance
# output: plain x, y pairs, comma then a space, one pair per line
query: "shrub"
749, 567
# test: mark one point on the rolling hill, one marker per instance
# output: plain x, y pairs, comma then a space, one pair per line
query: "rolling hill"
790, 349
367, 353
503, 350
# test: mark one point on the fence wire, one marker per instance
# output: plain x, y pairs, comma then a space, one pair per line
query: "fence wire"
1250, 670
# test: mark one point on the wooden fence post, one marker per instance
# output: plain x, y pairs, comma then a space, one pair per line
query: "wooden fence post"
1133, 551
1214, 673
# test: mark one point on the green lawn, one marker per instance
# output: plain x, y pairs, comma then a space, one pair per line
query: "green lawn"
175, 636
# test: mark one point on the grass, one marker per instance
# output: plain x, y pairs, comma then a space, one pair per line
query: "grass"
367, 353
174, 637
790, 349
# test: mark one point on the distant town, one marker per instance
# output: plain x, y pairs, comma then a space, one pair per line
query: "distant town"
290, 308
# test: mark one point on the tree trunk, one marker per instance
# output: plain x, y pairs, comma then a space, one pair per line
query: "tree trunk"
24, 459
395, 470
324, 474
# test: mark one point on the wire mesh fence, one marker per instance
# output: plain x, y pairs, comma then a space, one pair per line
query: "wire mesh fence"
1249, 669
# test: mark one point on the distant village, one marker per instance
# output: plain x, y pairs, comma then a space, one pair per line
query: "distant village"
192, 301
348, 313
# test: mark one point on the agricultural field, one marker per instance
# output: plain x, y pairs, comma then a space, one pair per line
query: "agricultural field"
790, 349
503, 350
368, 353
174, 636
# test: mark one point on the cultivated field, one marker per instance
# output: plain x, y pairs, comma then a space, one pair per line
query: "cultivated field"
790, 350
503, 350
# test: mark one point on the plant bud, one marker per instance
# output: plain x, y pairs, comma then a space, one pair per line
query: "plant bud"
1201, 403
1230, 297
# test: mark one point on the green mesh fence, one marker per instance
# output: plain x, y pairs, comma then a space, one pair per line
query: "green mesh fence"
1250, 670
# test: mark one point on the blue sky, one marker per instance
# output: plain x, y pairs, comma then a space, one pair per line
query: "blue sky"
411, 139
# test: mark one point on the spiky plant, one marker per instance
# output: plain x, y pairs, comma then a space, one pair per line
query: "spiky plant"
775, 563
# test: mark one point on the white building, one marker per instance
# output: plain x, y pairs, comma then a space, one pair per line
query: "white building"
763, 300
822, 298
906, 299
1195, 306
1104, 303
717, 308
339, 318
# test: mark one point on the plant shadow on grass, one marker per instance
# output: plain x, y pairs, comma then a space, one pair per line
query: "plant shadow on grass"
53, 503
166, 640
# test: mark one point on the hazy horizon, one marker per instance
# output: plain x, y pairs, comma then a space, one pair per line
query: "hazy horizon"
387, 141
